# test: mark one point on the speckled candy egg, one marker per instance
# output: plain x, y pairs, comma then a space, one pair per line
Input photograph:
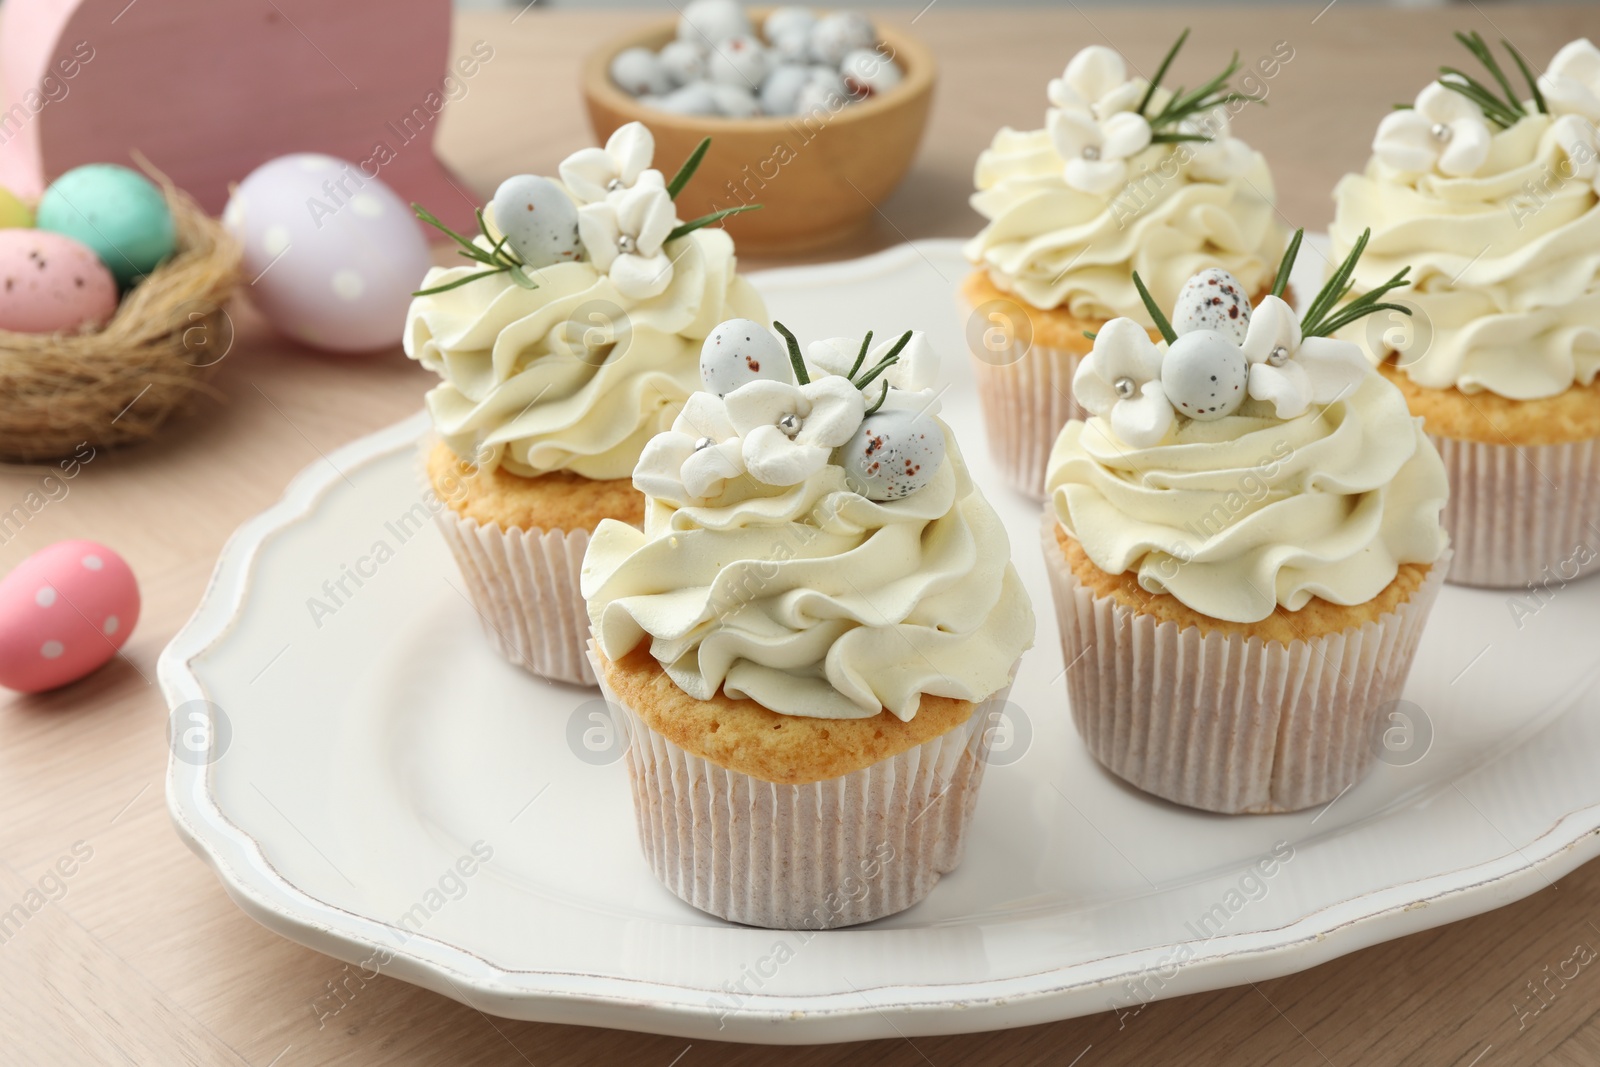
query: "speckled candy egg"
824, 92
683, 61
837, 35
1212, 300
741, 351
712, 21
638, 71
791, 47
893, 454
868, 72
696, 98
51, 283
539, 220
735, 101
740, 61
64, 611
14, 214
787, 20
331, 254
117, 212
1204, 374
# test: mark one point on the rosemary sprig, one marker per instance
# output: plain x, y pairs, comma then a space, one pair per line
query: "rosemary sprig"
1155, 312
1324, 316
1184, 104
1503, 111
498, 258
861, 356
796, 360
690, 165
683, 229
890, 358
884, 395
1286, 265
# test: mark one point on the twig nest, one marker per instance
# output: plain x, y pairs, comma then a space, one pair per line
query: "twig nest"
892, 454
1212, 300
1204, 374
740, 351
539, 220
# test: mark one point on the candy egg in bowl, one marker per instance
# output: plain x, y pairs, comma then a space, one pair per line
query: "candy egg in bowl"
815, 116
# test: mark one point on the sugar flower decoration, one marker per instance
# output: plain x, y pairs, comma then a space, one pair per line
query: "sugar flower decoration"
1097, 151
693, 461
625, 233
1571, 84
790, 431
1293, 372
1444, 130
914, 370
1121, 380
591, 174
1581, 142
1095, 81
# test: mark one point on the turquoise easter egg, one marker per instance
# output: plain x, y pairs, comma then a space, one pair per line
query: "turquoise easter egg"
117, 212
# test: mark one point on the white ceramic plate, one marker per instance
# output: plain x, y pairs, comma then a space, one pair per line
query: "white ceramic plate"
362, 754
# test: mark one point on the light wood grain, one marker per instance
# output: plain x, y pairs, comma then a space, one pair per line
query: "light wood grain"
145, 960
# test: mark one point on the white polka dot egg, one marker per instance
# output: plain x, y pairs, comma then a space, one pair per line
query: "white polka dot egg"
64, 611
1212, 300
331, 254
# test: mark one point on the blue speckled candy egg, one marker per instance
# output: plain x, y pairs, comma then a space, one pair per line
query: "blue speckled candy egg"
893, 454
1212, 300
118, 213
539, 220
741, 351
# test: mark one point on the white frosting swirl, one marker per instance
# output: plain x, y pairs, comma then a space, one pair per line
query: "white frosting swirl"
1056, 247
813, 600
1505, 266
525, 386
1240, 515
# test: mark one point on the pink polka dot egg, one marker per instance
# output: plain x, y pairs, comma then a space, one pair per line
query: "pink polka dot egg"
64, 611
331, 253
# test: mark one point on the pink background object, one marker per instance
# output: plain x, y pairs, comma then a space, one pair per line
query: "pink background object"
210, 90
64, 611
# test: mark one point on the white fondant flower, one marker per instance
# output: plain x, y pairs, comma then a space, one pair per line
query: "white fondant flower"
915, 370
1096, 81
1096, 152
624, 234
1571, 85
1293, 373
591, 173
694, 460
1121, 380
1221, 158
789, 431
1444, 130
1581, 142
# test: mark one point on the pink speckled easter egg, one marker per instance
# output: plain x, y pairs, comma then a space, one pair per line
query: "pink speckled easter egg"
64, 611
332, 254
50, 282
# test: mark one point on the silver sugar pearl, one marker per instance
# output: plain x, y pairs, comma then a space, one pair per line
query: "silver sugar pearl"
613, 185
1091, 152
1278, 356
703, 442
625, 244
1440, 132
1126, 388
789, 424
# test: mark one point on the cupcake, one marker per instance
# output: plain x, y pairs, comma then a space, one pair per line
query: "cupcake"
568, 342
809, 637
1243, 542
1126, 176
1492, 200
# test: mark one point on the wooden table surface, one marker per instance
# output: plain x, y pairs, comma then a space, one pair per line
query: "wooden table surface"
144, 959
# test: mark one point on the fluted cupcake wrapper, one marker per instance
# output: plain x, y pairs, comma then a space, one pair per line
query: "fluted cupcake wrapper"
1025, 391
1521, 514
1223, 722
805, 857
524, 585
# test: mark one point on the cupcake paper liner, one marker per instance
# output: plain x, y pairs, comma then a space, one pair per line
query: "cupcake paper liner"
1026, 395
524, 584
1520, 515
1222, 722
805, 857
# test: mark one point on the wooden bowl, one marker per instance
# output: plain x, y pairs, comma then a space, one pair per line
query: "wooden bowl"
818, 177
